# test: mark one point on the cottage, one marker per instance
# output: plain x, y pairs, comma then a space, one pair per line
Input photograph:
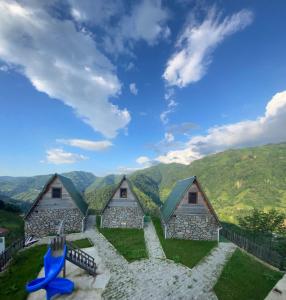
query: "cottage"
188, 214
123, 209
58, 201
3, 233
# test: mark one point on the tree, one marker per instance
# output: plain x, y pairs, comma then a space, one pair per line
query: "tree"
259, 221
2, 204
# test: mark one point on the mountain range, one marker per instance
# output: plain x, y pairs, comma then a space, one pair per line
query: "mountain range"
234, 180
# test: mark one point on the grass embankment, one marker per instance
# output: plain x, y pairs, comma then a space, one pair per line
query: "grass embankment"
83, 243
14, 223
186, 252
129, 243
24, 267
243, 277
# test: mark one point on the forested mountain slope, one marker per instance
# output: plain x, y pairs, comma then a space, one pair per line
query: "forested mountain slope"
234, 180
27, 188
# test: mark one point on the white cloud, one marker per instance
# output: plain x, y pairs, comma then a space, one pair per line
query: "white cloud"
4, 68
145, 162
133, 88
142, 160
269, 128
169, 137
138, 21
87, 144
183, 128
130, 66
58, 156
171, 104
63, 62
95, 12
146, 22
125, 170
197, 43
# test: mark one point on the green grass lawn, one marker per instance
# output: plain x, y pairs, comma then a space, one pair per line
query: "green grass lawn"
14, 223
130, 243
24, 267
186, 252
83, 243
243, 277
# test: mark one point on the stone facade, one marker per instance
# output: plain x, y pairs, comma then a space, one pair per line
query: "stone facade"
122, 217
192, 227
123, 210
45, 222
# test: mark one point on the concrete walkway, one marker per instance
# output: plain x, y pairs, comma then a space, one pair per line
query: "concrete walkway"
153, 244
279, 290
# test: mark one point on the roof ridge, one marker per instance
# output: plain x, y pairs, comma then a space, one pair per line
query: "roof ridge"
187, 178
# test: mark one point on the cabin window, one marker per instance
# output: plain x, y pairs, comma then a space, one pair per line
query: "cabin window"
56, 193
123, 193
193, 198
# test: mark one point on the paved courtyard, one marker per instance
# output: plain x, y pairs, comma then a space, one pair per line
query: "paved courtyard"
154, 278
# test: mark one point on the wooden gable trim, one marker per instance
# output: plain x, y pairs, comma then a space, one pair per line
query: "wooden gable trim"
135, 195
39, 197
209, 205
117, 188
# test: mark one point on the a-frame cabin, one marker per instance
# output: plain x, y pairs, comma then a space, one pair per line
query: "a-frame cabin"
188, 214
58, 201
123, 209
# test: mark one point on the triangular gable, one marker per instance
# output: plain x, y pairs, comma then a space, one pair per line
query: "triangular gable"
177, 194
117, 188
69, 186
76, 196
207, 201
175, 197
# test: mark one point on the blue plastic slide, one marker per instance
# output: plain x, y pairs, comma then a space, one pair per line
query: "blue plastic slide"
51, 283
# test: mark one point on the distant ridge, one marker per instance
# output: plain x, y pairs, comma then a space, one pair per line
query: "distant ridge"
234, 180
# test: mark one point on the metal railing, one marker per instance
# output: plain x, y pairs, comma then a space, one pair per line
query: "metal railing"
10, 251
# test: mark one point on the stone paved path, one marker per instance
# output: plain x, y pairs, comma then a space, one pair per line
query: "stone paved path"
158, 277
164, 279
155, 278
153, 244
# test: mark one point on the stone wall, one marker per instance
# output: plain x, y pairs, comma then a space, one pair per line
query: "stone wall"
45, 222
192, 227
122, 217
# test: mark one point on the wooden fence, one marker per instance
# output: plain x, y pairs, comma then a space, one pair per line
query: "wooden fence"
261, 251
8, 253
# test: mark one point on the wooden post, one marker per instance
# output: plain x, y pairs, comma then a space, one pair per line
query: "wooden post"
64, 270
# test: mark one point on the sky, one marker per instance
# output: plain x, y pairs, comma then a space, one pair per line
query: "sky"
115, 86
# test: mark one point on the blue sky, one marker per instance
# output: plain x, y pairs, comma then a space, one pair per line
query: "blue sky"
113, 86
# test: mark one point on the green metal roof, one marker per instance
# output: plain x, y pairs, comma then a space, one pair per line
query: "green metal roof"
76, 196
175, 196
71, 189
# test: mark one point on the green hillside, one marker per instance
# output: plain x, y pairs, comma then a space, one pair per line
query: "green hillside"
235, 180
238, 180
14, 223
100, 182
27, 188
145, 188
